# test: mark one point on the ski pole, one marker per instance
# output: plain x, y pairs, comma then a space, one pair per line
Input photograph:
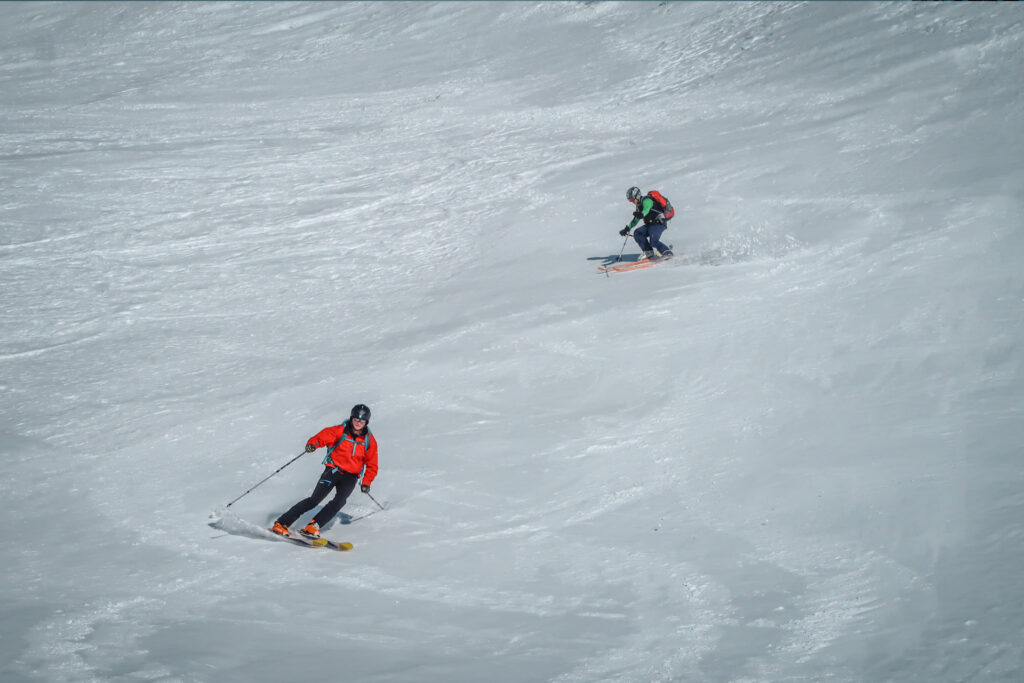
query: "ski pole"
375, 500
623, 248
275, 472
619, 257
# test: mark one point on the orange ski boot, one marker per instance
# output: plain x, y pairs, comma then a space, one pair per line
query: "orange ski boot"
280, 529
312, 530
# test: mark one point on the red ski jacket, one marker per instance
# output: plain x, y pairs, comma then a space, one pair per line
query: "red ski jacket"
348, 453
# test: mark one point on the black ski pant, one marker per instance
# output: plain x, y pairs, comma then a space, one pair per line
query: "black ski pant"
343, 484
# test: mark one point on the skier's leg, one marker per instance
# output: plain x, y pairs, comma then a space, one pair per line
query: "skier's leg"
642, 237
345, 483
320, 491
655, 232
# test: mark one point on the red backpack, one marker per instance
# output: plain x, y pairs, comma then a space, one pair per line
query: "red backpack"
664, 205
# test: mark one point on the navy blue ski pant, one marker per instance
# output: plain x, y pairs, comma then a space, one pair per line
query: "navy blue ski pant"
341, 481
650, 235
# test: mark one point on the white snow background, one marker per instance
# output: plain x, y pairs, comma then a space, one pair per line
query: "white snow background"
792, 454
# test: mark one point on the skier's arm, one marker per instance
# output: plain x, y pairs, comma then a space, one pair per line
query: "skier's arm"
325, 437
371, 463
641, 211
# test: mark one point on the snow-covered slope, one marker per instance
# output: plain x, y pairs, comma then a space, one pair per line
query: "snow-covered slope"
792, 454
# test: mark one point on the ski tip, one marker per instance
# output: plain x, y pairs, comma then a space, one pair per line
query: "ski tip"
319, 542
346, 546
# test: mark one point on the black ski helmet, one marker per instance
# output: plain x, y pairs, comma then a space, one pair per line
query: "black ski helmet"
360, 412
634, 193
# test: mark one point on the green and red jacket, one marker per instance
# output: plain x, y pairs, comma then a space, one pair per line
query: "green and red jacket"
650, 211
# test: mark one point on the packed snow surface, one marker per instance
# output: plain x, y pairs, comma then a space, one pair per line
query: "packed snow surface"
791, 454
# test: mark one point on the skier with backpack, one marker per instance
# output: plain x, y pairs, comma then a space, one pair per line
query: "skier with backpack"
351, 451
655, 211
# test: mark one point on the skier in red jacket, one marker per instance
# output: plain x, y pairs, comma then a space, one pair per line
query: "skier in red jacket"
350, 448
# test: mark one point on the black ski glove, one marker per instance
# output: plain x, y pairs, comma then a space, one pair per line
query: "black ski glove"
624, 231
310, 448
365, 488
